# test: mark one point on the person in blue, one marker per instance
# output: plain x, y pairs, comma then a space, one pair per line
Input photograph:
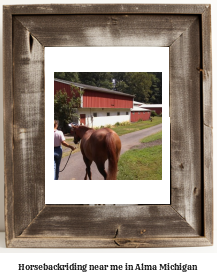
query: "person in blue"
59, 140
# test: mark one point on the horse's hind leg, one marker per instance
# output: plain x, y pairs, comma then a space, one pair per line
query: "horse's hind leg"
101, 168
88, 171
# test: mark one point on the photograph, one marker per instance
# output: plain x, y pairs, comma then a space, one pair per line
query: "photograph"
104, 73
108, 125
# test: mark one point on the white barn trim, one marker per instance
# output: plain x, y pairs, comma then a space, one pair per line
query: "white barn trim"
97, 117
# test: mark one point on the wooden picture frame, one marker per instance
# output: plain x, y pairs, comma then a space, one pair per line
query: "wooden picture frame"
186, 30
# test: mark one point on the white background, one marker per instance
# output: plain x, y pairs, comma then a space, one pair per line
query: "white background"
205, 257
139, 59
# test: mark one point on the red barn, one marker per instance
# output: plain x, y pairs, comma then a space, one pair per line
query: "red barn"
155, 107
140, 114
99, 106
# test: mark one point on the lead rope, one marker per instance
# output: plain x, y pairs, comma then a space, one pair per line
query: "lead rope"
66, 162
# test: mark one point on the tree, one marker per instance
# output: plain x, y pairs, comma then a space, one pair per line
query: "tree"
120, 81
65, 106
156, 88
69, 76
135, 83
98, 79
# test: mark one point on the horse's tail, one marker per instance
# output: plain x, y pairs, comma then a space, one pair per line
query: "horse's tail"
113, 145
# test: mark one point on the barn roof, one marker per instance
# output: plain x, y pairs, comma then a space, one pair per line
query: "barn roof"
138, 109
150, 105
94, 88
137, 103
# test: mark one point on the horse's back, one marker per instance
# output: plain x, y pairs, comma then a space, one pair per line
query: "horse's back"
108, 139
99, 142
100, 135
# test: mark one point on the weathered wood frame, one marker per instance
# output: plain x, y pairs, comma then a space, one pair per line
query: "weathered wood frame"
186, 29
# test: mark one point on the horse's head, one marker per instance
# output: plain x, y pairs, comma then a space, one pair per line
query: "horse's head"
77, 138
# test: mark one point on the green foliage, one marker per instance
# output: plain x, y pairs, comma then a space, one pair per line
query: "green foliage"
65, 107
139, 84
125, 123
146, 86
117, 124
98, 79
69, 76
141, 164
108, 126
153, 113
140, 120
156, 88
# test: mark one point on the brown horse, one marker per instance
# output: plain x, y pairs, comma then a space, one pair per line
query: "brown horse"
98, 146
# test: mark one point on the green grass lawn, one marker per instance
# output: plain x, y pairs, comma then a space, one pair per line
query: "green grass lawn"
131, 127
142, 164
152, 137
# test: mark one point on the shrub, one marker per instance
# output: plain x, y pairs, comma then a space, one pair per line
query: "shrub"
140, 120
108, 126
117, 124
125, 123
153, 113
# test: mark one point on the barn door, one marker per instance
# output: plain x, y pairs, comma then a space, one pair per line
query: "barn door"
82, 119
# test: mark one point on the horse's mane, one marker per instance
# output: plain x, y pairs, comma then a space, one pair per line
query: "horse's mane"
84, 128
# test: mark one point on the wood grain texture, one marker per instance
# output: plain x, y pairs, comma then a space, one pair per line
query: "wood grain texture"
106, 9
185, 111
107, 30
109, 222
186, 30
8, 125
206, 68
208, 182
207, 123
29, 139
108, 243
